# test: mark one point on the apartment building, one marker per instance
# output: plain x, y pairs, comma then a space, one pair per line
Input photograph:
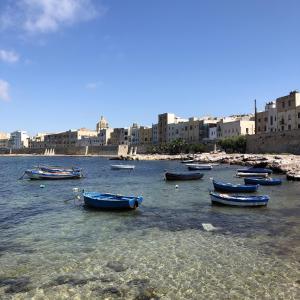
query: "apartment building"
119, 136
145, 135
18, 139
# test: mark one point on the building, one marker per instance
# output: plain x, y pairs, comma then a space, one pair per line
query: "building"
4, 140
105, 135
102, 124
154, 134
134, 133
232, 128
163, 121
288, 108
68, 138
18, 139
212, 133
145, 136
119, 136
37, 141
267, 120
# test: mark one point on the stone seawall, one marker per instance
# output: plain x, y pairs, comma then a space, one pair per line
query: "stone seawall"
109, 150
276, 142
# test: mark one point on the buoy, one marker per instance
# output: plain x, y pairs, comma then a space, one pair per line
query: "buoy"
76, 190
42, 186
78, 197
176, 186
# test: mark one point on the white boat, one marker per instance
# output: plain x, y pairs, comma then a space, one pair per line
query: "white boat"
244, 174
199, 166
122, 167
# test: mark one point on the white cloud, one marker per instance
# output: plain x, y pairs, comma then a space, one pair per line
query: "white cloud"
4, 90
93, 85
8, 56
43, 16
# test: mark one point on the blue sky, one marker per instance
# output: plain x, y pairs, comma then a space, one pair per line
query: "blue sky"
64, 63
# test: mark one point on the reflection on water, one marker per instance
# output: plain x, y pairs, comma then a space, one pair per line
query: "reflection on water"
52, 247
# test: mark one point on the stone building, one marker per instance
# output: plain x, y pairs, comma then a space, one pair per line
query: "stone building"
102, 124
145, 136
119, 136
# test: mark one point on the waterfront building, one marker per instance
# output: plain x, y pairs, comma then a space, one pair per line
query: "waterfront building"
231, 126
212, 133
37, 141
154, 134
134, 132
68, 138
18, 139
102, 124
119, 136
105, 135
287, 111
4, 140
267, 120
145, 135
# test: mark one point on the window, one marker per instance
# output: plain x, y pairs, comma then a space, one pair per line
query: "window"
282, 128
298, 126
266, 119
289, 127
289, 102
283, 105
265, 128
258, 120
298, 115
247, 130
258, 128
289, 117
271, 120
191, 127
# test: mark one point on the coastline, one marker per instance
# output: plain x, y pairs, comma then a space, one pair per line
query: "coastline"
281, 163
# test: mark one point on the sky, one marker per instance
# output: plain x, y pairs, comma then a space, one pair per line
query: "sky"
64, 63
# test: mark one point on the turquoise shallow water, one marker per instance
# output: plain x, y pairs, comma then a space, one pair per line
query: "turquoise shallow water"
54, 248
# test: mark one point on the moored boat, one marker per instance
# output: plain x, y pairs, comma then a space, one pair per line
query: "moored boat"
187, 161
244, 174
43, 175
239, 200
193, 167
234, 188
262, 181
122, 167
293, 176
183, 176
255, 170
54, 169
111, 201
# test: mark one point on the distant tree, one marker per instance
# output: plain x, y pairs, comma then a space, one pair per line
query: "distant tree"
234, 144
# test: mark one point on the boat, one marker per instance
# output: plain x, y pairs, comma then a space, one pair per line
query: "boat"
234, 188
122, 167
293, 176
244, 174
40, 175
255, 170
263, 181
54, 169
183, 176
111, 201
193, 167
239, 200
188, 161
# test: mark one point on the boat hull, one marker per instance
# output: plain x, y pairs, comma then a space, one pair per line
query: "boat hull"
234, 188
183, 176
122, 167
111, 202
262, 181
235, 200
242, 174
204, 168
255, 170
40, 175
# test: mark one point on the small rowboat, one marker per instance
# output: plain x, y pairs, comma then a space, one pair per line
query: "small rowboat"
238, 200
188, 161
183, 176
234, 188
122, 167
255, 170
193, 167
111, 201
263, 181
243, 174
43, 175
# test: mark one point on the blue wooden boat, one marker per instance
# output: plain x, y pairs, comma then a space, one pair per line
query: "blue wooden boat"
238, 200
183, 176
255, 170
234, 188
263, 181
111, 201
44, 175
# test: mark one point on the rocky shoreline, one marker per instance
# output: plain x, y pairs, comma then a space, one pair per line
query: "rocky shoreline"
283, 163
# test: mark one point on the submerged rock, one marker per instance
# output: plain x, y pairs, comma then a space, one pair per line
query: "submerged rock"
116, 266
16, 285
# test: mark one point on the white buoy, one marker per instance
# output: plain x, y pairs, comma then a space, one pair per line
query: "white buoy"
76, 190
176, 186
42, 186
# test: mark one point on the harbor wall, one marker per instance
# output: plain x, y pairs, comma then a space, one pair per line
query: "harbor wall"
109, 150
275, 142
